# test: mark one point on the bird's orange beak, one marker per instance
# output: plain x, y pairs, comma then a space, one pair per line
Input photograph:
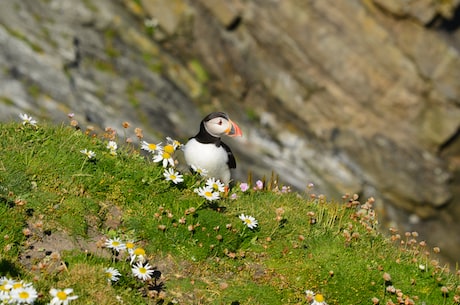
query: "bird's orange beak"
234, 130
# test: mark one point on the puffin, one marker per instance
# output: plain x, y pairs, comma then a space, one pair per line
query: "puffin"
206, 150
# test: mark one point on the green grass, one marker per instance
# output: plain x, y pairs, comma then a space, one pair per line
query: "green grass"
204, 252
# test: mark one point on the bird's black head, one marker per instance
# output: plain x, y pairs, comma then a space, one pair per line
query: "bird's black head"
214, 115
207, 133
215, 125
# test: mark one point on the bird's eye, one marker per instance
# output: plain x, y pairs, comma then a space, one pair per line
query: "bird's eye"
220, 122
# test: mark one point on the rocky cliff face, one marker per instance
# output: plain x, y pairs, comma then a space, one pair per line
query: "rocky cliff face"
354, 96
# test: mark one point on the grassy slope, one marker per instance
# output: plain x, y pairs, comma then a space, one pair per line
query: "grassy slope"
47, 187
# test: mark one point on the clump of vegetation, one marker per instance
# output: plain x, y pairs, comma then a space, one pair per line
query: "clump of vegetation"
102, 218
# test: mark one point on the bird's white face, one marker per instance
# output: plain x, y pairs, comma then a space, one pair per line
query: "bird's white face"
218, 126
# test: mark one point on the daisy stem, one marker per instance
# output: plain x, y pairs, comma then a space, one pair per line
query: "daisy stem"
124, 135
243, 233
273, 231
201, 204
156, 177
83, 164
197, 182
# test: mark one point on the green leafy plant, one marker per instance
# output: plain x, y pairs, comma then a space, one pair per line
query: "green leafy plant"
119, 222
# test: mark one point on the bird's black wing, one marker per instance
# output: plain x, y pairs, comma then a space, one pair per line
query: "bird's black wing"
231, 158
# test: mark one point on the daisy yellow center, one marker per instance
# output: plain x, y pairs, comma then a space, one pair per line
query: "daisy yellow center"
61, 295
129, 245
215, 186
139, 251
319, 298
142, 270
109, 274
115, 243
152, 146
23, 295
173, 177
17, 285
169, 149
3, 288
166, 155
208, 194
248, 221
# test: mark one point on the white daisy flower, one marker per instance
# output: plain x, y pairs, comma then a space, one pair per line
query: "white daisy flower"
249, 221
6, 284
143, 272
115, 243
130, 246
27, 119
208, 193
112, 147
173, 176
89, 153
202, 171
24, 295
310, 295
151, 22
165, 156
174, 143
62, 296
150, 147
112, 274
215, 184
138, 255
5, 297
318, 300
20, 284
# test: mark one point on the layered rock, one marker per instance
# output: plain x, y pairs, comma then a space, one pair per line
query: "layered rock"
354, 96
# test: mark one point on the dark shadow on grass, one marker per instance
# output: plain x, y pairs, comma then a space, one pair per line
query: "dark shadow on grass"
213, 205
7, 267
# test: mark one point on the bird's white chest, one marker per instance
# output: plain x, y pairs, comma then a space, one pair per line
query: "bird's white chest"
209, 157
